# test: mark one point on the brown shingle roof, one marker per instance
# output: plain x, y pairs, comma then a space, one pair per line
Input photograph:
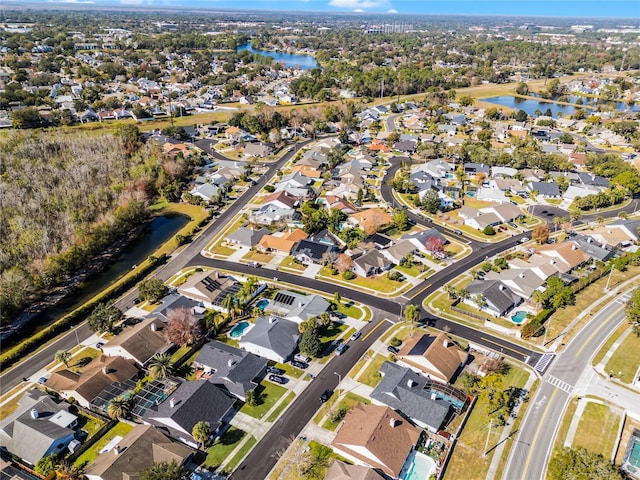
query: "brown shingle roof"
442, 357
343, 471
140, 341
368, 434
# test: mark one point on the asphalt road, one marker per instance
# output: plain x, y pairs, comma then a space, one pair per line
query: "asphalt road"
532, 449
264, 456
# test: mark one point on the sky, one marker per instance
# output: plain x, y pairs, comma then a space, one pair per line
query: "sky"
547, 8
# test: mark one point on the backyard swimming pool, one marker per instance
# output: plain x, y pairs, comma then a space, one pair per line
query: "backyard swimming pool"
239, 329
519, 317
262, 303
418, 467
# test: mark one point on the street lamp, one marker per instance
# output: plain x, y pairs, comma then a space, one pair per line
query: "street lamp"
339, 382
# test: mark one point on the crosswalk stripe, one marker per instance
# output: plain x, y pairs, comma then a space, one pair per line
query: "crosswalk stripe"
556, 382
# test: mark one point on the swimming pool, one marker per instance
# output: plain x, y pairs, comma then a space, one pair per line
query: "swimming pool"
519, 317
418, 467
262, 303
239, 329
631, 461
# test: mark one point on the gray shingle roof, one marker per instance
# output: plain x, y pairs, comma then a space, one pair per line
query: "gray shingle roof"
234, 369
498, 295
274, 333
403, 389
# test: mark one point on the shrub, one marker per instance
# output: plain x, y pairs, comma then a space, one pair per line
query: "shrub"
489, 230
395, 342
348, 275
269, 188
395, 276
532, 329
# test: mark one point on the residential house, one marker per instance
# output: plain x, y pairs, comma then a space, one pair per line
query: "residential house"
339, 470
296, 306
506, 212
591, 180
568, 255
230, 368
378, 437
339, 203
545, 189
477, 219
280, 199
371, 263
207, 191
247, 237
471, 168
398, 251
281, 243
537, 264
97, 375
40, 426
498, 297
139, 342
409, 392
379, 241
256, 150
370, 220
271, 337
141, 448
591, 247
622, 233
522, 282
406, 146
190, 403
423, 239
310, 252
269, 215
436, 355
295, 183
210, 288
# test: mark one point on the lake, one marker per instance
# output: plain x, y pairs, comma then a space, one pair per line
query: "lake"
290, 60
159, 230
530, 106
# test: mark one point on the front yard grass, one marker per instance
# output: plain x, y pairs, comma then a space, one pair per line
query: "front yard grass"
350, 310
609, 343
414, 270
624, 362
223, 446
290, 370
346, 403
270, 393
258, 257
371, 376
119, 429
598, 429
273, 416
468, 459
244, 450
222, 250
292, 264
333, 331
379, 283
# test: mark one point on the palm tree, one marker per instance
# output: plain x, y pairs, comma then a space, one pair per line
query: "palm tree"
119, 407
538, 297
480, 301
63, 356
201, 433
412, 313
160, 365
66, 471
229, 304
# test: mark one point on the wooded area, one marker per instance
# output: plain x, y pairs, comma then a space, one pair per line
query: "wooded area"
66, 198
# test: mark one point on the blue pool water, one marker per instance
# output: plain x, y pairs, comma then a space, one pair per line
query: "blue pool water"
262, 303
420, 467
519, 317
239, 329
453, 401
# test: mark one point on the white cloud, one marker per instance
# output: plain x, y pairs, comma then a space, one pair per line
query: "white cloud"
358, 10
70, 1
359, 4
392, 10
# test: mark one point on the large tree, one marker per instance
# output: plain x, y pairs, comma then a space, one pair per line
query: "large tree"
63, 356
183, 328
201, 433
104, 317
119, 407
160, 365
310, 342
579, 464
164, 471
152, 289
412, 313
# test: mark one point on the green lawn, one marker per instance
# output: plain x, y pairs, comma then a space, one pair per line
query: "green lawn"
89, 424
609, 343
244, 450
222, 250
223, 446
414, 270
270, 394
290, 370
119, 429
379, 283
371, 376
333, 331
624, 362
258, 257
350, 310
347, 402
292, 264
598, 429
280, 408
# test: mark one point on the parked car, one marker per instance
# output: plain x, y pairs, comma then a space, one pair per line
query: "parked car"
458, 232
524, 239
99, 345
298, 364
42, 380
254, 264
392, 349
299, 357
326, 395
278, 379
340, 349
339, 315
356, 335
275, 370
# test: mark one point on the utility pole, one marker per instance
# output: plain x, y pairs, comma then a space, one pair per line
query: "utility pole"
486, 443
382, 89
606, 288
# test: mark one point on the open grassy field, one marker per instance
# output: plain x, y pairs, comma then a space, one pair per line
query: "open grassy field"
597, 429
624, 362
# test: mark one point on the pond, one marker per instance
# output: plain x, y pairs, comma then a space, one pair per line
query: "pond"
530, 106
159, 230
290, 60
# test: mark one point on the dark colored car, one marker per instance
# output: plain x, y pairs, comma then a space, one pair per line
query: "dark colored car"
326, 395
99, 345
392, 349
340, 349
298, 364
339, 315
277, 379
275, 370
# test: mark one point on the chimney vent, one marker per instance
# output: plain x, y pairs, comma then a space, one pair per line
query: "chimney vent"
153, 327
172, 402
105, 370
34, 413
116, 449
231, 362
445, 342
409, 383
272, 319
433, 396
393, 422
